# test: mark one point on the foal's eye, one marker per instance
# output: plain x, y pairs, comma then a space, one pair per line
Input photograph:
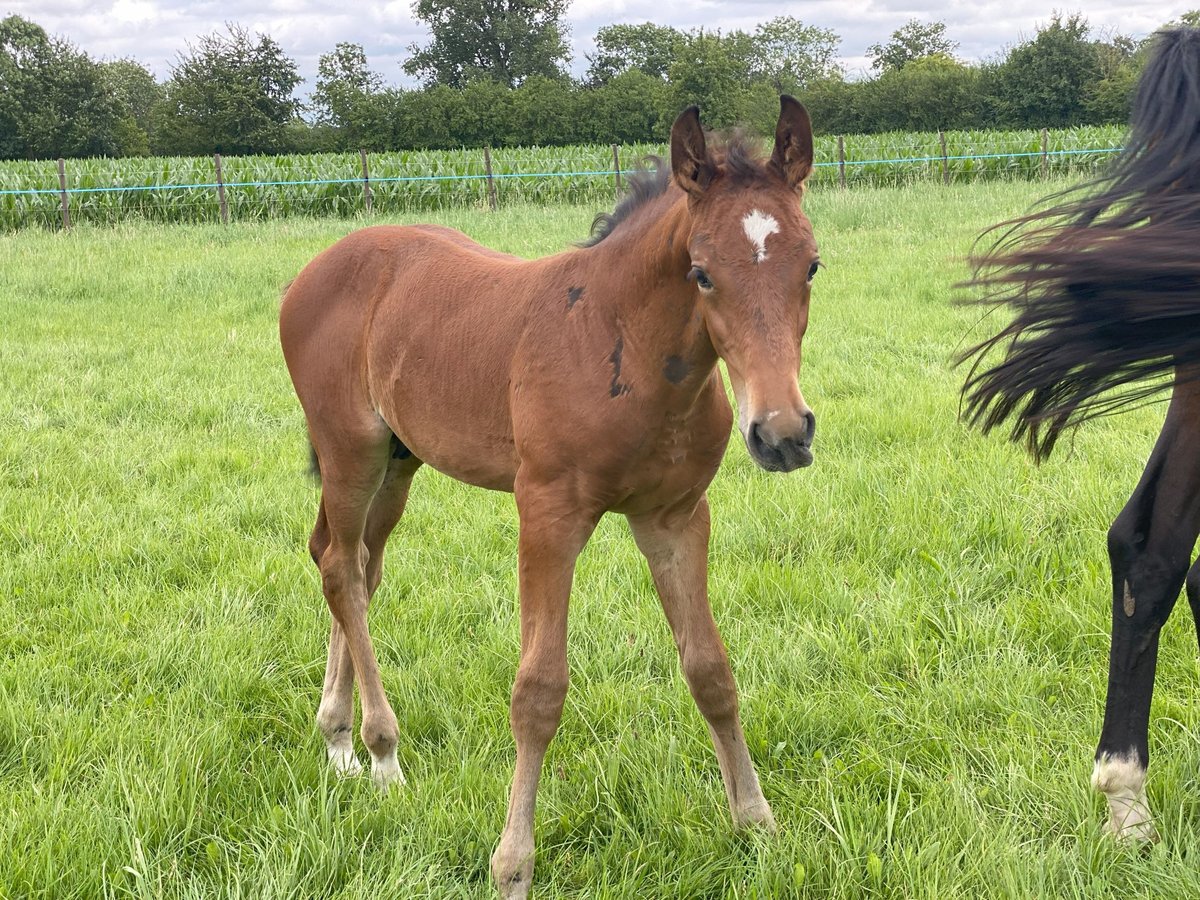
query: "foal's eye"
701, 278
812, 270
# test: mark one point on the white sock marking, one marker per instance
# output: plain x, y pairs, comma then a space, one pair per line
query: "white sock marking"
1122, 779
759, 226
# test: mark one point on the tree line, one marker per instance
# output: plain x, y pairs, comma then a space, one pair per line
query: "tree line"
496, 74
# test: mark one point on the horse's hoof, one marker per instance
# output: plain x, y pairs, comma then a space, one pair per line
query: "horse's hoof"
1133, 834
385, 772
344, 763
513, 873
757, 816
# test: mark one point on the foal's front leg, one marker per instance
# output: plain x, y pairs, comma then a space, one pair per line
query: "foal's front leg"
675, 544
553, 531
1150, 546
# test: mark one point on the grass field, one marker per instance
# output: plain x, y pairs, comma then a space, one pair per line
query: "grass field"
918, 623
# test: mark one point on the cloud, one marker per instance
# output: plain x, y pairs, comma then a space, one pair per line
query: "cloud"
155, 31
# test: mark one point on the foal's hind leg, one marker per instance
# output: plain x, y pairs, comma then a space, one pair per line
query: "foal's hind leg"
675, 544
353, 481
335, 715
1150, 546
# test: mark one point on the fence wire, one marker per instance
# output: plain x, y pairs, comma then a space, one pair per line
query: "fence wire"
485, 179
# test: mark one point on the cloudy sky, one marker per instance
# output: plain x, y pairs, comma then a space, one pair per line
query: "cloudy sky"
154, 31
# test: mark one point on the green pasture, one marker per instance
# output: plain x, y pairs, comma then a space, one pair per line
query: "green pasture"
918, 623
406, 181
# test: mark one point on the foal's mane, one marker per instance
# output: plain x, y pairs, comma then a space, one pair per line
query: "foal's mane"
736, 158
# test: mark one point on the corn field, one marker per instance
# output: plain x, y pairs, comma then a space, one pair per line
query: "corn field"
262, 187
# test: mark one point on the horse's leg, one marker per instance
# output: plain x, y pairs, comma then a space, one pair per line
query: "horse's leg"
335, 715
675, 545
1193, 593
553, 531
1149, 545
353, 470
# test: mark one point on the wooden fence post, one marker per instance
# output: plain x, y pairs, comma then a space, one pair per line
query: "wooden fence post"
366, 182
617, 169
841, 162
945, 159
491, 184
1045, 154
62, 193
221, 190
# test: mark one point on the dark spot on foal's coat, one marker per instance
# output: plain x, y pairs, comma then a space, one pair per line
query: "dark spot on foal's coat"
573, 295
616, 389
676, 369
399, 451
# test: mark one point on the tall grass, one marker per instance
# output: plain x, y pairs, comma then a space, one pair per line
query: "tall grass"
411, 181
918, 623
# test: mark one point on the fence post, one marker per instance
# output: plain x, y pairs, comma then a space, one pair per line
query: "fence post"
617, 169
366, 182
1045, 154
221, 190
491, 184
945, 159
62, 193
841, 163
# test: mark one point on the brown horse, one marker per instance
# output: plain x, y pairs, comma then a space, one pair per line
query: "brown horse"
582, 382
1106, 287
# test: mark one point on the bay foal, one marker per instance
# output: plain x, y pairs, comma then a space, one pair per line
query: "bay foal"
582, 382
1106, 289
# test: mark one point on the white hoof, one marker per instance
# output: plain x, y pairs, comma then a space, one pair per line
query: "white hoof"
344, 762
385, 770
757, 815
1122, 780
512, 870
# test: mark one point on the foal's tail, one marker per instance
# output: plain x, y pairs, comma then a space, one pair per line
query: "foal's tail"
1105, 282
314, 464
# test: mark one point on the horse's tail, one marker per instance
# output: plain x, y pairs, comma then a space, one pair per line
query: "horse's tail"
1105, 281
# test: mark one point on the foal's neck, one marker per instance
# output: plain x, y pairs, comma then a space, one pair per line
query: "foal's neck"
656, 307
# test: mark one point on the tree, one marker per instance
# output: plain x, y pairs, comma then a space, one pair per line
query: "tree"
345, 95
626, 109
712, 70
56, 100
790, 54
137, 94
1045, 82
504, 40
229, 94
928, 94
913, 40
646, 48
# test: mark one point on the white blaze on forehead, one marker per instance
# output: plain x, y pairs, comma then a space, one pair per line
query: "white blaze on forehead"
759, 226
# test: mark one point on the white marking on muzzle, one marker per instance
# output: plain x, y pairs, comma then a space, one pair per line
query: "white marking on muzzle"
759, 226
1122, 779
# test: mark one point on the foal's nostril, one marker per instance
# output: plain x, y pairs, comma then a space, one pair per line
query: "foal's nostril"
810, 429
756, 441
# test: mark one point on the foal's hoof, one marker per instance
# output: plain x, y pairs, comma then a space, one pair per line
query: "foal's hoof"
344, 763
1133, 834
758, 815
513, 872
385, 771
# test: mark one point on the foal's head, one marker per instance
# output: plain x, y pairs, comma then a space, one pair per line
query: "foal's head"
753, 260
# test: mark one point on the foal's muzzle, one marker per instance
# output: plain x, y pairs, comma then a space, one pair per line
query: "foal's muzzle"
784, 451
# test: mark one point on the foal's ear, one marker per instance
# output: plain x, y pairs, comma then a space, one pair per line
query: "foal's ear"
793, 155
690, 163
